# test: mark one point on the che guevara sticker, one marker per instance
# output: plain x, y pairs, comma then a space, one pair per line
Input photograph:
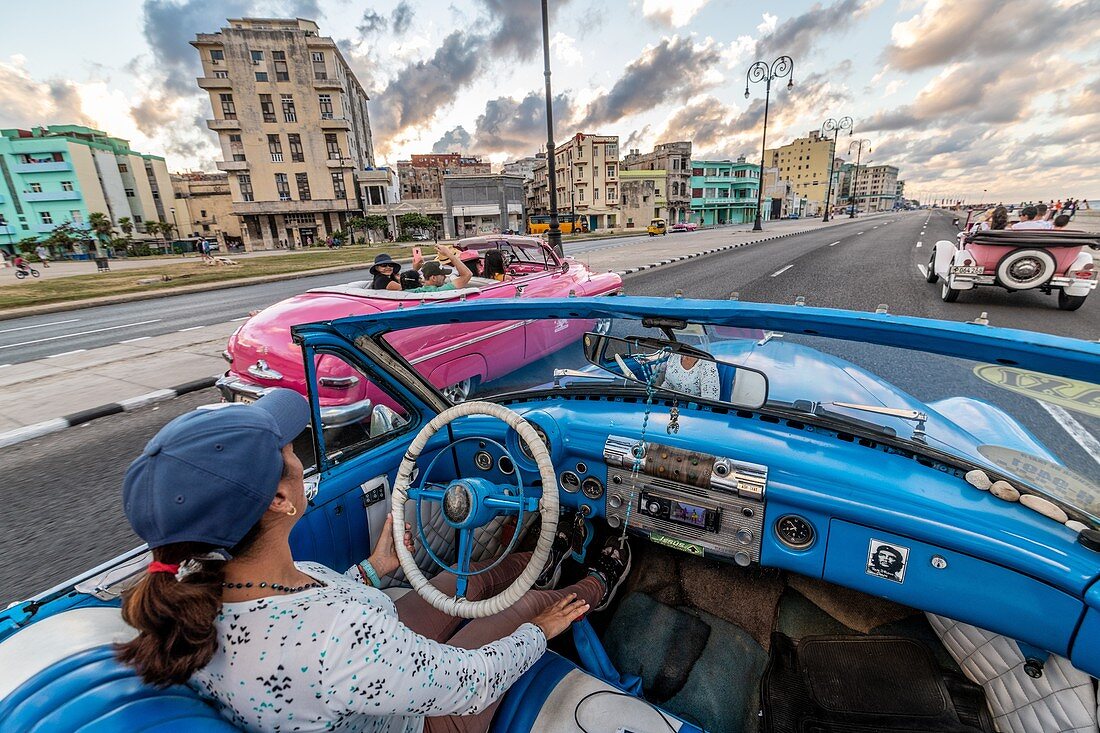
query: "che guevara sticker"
887, 560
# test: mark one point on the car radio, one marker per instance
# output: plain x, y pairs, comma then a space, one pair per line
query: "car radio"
695, 502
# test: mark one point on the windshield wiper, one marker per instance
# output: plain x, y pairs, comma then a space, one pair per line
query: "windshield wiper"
817, 409
920, 418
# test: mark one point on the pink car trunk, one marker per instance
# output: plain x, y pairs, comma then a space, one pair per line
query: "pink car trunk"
988, 255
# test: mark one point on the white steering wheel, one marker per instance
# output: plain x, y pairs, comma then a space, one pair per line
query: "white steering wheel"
627, 372
469, 504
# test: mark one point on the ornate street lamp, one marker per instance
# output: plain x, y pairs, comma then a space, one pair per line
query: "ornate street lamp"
833, 126
553, 236
759, 71
855, 178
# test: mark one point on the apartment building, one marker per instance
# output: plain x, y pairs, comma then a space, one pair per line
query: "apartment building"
525, 166
642, 197
536, 190
422, 176
482, 203
203, 207
805, 163
587, 171
63, 173
675, 160
876, 188
724, 192
292, 123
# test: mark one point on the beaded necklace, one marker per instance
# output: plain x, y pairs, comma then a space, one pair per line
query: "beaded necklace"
277, 586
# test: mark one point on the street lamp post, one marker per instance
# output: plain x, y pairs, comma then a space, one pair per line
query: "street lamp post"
855, 177
760, 71
553, 236
833, 126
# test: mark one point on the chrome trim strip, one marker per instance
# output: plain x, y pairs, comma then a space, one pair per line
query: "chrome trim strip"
469, 341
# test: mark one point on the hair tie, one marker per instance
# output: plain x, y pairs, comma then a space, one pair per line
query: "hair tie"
163, 567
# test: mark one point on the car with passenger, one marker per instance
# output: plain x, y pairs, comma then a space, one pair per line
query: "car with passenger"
684, 226
821, 537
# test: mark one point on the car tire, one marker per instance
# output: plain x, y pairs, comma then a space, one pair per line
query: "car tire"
932, 276
1024, 269
460, 391
948, 294
1070, 302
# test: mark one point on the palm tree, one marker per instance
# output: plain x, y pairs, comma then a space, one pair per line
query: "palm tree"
100, 226
126, 224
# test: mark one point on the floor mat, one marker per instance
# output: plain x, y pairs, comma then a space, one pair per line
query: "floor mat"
850, 684
692, 663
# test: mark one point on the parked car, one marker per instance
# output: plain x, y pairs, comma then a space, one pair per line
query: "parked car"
457, 358
685, 226
657, 226
823, 539
1034, 259
421, 237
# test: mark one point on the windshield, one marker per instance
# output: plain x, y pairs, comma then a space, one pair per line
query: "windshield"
1033, 426
515, 249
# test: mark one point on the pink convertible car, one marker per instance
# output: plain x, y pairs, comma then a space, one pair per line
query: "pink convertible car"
456, 358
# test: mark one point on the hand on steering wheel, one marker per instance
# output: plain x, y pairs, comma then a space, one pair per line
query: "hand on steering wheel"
468, 504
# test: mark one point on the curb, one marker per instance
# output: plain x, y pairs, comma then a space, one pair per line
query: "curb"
37, 430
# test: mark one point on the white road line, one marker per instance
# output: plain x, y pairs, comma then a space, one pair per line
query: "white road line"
780, 271
920, 244
66, 353
242, 318
923, 270
859, 233
192, 328
4, 366
78, 333
835, 243
139, 338
39, 325
875, 227
1076, 430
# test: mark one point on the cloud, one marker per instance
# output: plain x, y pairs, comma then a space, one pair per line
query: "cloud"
26, 102
517, 26
637, 139
456, 140
672, 13
372, 22
797, 36
152, 113
402, 18
673, 70
564, 48
518, 126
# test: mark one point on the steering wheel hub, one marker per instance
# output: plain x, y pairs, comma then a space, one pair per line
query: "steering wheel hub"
458, 503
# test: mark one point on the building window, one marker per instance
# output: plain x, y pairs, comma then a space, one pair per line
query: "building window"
137, 219
47, 218
338, 189
317, 56
261, 76
332, 144
612, 151
229, 110
66, 185
36, 188
697, 193
303, 186
325, 101
234, 139
282, 185
610, 192
656, 192
129, 193
239, 157
595, 194
610, 171
275, 147
257, 56
202, 213
245, 182
580, 194
278, 55
76, 217
289, 113
221, 74
281, 71
295, 142
123, 168
217, 56
267, 108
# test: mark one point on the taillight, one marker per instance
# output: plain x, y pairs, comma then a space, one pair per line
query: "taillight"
1084, 274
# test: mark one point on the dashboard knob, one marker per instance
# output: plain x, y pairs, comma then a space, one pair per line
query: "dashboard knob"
744, 536
614, 522
742, 558
614, 501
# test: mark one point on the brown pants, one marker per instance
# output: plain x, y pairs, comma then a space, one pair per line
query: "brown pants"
422, 618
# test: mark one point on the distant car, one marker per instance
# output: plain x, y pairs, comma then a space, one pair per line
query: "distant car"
421, 237
657, 227
792, 216
685, 226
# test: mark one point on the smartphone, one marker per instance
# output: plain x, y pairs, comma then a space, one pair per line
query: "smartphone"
416, 252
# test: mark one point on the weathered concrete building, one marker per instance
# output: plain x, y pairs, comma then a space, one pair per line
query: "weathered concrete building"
482, 203
422, 176
675, 160
642, 197
203, 207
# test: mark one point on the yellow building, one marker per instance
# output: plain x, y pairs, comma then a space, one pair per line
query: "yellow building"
805, 163
203, 207
644, 197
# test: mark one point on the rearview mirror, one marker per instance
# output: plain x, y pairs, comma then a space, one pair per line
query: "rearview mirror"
674, 367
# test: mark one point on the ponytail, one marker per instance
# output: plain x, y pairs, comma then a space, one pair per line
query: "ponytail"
175, 618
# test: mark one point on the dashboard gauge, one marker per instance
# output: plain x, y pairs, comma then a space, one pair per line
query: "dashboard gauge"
542, 436
483, 460
571, 482
582, 468
794, 532
504, 463
592, 488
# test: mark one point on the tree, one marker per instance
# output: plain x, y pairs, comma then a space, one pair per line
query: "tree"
415, 220
101, 228
355, 222
65, 235
126, 224
376, 223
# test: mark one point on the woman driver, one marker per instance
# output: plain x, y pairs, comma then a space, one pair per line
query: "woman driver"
279, 644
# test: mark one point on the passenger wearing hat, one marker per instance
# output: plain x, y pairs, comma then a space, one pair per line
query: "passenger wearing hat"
385, 272
435, 275
280, 644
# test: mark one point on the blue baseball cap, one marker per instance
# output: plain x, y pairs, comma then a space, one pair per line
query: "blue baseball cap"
208, 476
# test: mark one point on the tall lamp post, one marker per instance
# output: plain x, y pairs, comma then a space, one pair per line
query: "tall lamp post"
760, 71
855, 178
833, 126
553, 236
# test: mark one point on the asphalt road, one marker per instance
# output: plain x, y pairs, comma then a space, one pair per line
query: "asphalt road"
62, 509
37, 337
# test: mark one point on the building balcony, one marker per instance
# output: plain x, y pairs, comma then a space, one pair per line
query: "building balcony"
741, 201
335, 123
51, 196
50, 166
214, 82
232, 165
223, 124
340, 163
43, 228
254, 208
327, 84
7, 230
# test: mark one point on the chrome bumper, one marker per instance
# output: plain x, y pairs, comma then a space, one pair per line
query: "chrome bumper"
233, 389
1055, 282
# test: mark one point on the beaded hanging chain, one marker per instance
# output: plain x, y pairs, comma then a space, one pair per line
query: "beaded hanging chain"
639, 450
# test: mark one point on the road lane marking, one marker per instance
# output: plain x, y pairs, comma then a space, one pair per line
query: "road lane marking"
66, 353
835, 243
4, 366
242, 318
139, 338
875, 226
923, 270
39, 325
192, 328
78, 333
920, 244
1076, 430
859, 233
780, 271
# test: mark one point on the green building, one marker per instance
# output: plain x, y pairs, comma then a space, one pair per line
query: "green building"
61, 174
724, 191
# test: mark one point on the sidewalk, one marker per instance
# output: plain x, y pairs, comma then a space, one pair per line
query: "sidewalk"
43, 394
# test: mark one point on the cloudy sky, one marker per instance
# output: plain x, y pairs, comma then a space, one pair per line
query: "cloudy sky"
962, 95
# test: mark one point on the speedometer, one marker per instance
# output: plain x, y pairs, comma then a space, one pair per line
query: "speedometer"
542, 436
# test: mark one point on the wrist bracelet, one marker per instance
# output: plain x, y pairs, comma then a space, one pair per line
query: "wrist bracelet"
370, 573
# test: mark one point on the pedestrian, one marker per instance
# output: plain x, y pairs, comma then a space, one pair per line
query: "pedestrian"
1061, 221
43, 254
435, 235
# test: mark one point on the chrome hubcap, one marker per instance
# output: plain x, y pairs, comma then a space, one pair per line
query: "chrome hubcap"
458, 392
1026, 268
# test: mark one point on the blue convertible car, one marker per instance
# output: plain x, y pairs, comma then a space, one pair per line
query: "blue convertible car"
841, 522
